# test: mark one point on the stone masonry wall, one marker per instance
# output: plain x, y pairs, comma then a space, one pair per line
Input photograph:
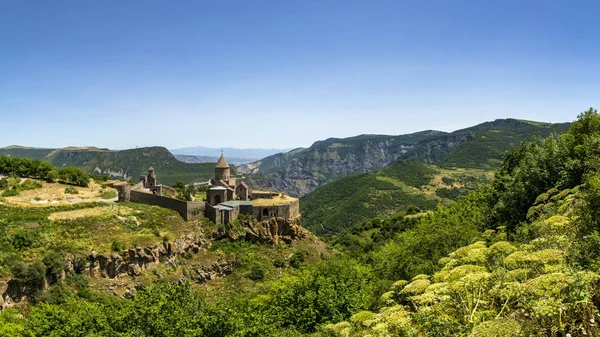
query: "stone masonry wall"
188, 210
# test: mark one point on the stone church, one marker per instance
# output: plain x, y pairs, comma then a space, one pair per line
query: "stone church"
226, 198
224, 188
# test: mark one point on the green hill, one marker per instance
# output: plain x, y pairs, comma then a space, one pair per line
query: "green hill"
487, 141
123, 164
345, 202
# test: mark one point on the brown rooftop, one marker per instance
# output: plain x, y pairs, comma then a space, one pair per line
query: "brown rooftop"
222, 163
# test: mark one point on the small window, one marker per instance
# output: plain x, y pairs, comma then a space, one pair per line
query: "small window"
266, 212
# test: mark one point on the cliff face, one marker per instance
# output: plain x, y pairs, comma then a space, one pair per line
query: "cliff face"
134, 261
301, 171
274, 231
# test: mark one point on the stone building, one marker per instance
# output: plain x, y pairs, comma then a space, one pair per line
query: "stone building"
223, 187
225, 200
150, 182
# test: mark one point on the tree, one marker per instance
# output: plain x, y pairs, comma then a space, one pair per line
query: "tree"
74, 176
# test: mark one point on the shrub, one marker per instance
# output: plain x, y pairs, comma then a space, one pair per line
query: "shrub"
30, 185
279, 263
53, 262
109, 194
10, 192
257, 273
117, 246
52, 176
100, 177
448, 180
71, 190
297, 259
3, 184
22, 239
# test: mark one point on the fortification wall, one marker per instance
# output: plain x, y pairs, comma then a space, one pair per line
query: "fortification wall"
288, 211
124, 192
195, 210
188, 210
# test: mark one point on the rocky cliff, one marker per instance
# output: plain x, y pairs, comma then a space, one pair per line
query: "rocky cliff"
135, 261
302, 170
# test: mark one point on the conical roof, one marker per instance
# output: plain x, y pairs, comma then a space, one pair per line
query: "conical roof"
222, 163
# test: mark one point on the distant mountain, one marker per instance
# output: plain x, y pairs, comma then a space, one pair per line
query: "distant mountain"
301, 171
122, 164
212, 159
252, 154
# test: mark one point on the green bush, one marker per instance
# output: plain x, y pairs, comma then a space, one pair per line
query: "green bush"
71, 190
109, 194
30, 185
100, 177
450, 193
448, 180
22, 239
279, 263
74, 176
297, 259
10, 192
257, 273
117, 246
3, 184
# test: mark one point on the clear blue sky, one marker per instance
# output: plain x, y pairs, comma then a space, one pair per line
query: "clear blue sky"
283, 74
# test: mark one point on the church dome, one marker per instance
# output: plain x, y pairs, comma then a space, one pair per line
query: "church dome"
222, 163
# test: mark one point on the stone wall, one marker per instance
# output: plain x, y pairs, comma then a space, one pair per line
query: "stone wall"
288, 211
124, 192
195, 210
188, 210
263, 194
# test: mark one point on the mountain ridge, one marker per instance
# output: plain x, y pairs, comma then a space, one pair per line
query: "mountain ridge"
123, 164
300, 171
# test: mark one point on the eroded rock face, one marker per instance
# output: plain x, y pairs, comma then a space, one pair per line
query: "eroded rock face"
216, 270
273, 231
136, 260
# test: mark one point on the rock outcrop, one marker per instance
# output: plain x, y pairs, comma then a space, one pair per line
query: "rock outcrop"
273, 231
136, 260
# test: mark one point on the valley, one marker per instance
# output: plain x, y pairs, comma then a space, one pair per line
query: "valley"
381, 253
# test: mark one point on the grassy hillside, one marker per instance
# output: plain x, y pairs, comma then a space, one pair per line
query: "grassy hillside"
345, 202
124, 164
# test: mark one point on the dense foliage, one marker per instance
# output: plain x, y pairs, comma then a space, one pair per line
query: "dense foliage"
34, 168
350, 200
